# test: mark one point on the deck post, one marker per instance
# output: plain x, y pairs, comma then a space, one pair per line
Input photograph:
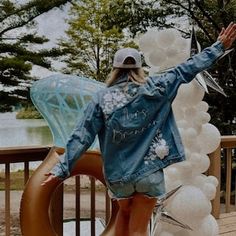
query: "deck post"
215, 170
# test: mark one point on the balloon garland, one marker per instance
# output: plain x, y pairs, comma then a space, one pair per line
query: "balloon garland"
191, 204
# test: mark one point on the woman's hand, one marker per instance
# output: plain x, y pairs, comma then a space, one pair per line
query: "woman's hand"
228, 36
50, 178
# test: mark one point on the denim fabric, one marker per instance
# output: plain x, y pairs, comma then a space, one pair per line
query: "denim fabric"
152, 186
135, 123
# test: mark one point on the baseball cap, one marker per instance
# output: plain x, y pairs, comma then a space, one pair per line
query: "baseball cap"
122, 54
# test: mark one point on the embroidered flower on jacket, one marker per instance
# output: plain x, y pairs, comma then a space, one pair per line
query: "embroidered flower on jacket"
158, 149
114, 99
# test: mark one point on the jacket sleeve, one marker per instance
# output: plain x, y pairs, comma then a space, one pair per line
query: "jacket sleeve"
80, 140
185, 72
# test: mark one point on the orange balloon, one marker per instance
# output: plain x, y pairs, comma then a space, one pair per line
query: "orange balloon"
35, 202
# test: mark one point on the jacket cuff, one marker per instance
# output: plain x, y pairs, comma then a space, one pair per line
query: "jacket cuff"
59, 172
219, 46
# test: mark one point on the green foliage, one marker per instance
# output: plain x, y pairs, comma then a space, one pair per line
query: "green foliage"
16, 54
29, 112
91, 44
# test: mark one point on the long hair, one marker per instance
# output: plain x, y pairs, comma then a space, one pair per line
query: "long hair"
136, 75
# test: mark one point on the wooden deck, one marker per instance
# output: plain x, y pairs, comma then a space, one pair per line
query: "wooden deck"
227, 224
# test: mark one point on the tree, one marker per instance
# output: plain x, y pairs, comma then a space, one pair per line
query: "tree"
16, 55
90, 45
208, 17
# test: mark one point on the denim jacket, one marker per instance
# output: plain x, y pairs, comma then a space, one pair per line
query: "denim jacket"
135, 123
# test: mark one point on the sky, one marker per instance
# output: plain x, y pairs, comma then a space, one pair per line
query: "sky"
52, 25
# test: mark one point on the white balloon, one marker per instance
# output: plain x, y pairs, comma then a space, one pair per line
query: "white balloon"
213, 180
193, 146
202, 118
164, 233
182, 124
190, 94
199, 181
191, 133
202, 106
172, 172
209, 227
209, 190
190, 112
190, 205
209, 138
170, 184
166, 227
187, 153
178, 111
200, 163
182, 232
185, 168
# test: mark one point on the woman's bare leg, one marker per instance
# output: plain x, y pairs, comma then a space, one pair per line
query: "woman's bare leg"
122, 218
140, 215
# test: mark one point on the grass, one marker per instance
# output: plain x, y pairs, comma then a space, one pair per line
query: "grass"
16, 180
17, 183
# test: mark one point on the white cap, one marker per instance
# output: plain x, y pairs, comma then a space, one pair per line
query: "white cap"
124, 53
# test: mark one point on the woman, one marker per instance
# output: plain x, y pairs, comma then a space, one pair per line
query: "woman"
137, 131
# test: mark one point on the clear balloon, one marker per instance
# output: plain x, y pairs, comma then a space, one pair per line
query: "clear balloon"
167, 37
147, 42
171, 52
157, 58
181, 43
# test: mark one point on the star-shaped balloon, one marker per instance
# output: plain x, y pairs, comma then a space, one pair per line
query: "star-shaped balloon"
162, 215
204, 78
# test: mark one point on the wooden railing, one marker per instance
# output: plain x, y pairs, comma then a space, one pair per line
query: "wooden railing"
26, 155
223, 156
9, 156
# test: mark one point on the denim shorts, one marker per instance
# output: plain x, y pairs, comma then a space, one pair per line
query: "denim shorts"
152, 186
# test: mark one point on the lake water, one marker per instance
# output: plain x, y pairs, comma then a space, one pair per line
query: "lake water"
23, 132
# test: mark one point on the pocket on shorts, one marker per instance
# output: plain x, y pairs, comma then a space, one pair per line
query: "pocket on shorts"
152, 185
156, 177
121, 190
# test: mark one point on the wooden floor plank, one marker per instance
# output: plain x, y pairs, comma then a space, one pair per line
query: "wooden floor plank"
227, 224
